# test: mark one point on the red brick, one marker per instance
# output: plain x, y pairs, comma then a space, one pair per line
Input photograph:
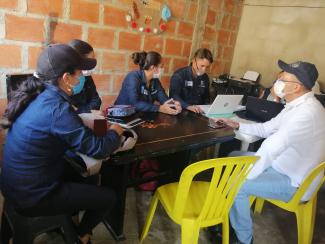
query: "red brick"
229, 5
10, 56
239, 10
118, 81
108, 100
185, 29
33, 53
234, 23
46, 7
165, 82
220, 52
206, 44
131, 65
24, 28
153, 43
171, 27
129, 41
211, 17
114, 61
173, 46
228, 52
223, 36
215, 4
192, 12
102, 82
179, 63
101, 38
227, 67
232, 40
84, 10
218, 67
225, 21
209, 33
61, 32
115, 17
177, 7
11, 4
187, 48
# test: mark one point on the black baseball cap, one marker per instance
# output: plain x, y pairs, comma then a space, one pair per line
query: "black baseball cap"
306, 72
59, 58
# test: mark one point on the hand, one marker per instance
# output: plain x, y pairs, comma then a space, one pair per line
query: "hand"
97, 112
119, 130
169, 107
195, 109
178, 106
227, 122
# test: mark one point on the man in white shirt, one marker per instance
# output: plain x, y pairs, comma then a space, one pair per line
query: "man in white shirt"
294, 145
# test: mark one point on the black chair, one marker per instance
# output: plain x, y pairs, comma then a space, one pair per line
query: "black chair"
25, 229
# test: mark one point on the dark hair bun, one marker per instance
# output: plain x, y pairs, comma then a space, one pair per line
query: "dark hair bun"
139, 58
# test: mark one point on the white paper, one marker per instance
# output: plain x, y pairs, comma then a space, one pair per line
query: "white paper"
251, 75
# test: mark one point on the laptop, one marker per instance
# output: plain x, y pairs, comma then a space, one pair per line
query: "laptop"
222, 106
260, 110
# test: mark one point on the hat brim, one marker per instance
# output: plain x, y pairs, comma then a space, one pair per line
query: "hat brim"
87, 64
285, 67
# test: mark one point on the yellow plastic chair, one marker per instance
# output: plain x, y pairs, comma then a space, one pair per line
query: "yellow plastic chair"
197, 204
305, 210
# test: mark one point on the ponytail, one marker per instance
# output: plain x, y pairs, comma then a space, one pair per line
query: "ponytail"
146, 59
20, 98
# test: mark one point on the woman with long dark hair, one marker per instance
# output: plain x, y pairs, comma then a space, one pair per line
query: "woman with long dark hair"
42, 126
141, 88
87, 98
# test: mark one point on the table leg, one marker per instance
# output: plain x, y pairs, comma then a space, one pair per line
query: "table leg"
116, 178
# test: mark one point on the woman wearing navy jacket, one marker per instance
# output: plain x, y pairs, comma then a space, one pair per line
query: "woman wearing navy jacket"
43, 125
141, 88
86, 98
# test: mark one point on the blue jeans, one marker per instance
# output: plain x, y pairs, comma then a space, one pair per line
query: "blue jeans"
269, 184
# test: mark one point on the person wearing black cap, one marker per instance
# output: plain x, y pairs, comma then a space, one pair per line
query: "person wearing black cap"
190, 85
87, 99
42, 126
294, 145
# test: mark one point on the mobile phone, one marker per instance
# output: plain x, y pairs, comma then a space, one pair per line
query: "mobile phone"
216, 125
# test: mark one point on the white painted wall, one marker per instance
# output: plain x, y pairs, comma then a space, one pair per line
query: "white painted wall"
290, 30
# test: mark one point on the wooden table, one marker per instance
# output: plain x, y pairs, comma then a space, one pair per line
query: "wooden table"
161, 135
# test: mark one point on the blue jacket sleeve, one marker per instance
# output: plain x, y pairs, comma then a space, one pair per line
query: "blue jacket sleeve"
93, 99
161, 94
176, 82
69, 127
132, 86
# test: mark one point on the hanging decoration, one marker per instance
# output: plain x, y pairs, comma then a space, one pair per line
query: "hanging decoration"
148, 16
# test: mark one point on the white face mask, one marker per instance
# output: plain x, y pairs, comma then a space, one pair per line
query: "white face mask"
159, 74
88, 72
279, 88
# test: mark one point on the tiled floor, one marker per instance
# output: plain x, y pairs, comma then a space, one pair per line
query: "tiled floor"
273, 226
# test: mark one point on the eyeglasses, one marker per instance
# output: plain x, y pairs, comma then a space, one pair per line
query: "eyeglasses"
291, 81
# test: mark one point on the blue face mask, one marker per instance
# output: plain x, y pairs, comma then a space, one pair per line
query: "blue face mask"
78, 88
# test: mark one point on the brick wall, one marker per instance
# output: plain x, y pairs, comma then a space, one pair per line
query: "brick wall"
28, 25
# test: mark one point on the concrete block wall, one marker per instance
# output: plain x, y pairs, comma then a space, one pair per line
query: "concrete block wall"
26, 26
